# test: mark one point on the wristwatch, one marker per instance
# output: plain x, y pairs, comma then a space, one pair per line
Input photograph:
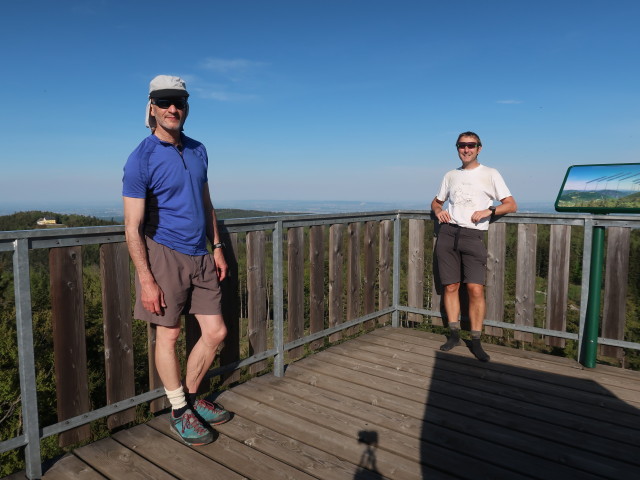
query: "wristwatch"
218, 245
493, 211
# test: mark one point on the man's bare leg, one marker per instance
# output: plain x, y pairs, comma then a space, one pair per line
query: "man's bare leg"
166, 360
168, 366
204, 351
213, 331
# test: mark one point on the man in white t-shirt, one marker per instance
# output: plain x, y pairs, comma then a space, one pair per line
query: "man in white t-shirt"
460, 251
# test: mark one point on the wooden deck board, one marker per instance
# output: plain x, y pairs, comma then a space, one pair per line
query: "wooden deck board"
391, 405
504, 422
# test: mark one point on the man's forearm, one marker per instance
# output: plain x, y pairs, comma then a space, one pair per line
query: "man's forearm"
138, 253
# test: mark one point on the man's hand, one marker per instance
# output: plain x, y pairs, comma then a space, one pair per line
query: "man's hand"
480, 215
152, 298
221, 264
443, 216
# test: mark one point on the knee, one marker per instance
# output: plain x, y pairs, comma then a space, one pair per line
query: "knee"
475, 291
166, 336
452, 288
215, 336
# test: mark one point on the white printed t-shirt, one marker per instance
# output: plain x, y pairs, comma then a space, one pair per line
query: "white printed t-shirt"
470, 190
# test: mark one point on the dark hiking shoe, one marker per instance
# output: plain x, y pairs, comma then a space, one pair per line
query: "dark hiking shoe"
211, 413
190, 429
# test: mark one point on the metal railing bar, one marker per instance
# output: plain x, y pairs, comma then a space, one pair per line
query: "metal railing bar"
62, 232
230, 367
529, 329
343, 326
618, 343
278, 300
336, 222
101, 412
12, 444
495, 323
26, 357
7, 246
72, 242
419, 311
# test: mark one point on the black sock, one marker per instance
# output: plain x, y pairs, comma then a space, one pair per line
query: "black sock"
478, 351
178, 412
191, 398
452, 341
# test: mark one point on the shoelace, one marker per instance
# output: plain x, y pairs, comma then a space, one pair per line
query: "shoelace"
212, 407
190, 421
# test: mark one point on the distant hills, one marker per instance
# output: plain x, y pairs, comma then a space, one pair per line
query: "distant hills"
600, 199
29, 220
258, 208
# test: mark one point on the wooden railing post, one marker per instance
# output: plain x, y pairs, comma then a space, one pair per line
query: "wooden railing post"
336, 261
496, 246
415, 268
230, 351
70, 350
118, 336
369, 279
316, 282
257, 291
385, 260
353, 277
558, 286
526, 280
295, 288
615, 288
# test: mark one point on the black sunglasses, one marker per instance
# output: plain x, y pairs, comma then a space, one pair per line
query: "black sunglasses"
461, 145
179, 102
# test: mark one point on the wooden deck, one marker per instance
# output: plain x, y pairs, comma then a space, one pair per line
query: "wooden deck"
391, 405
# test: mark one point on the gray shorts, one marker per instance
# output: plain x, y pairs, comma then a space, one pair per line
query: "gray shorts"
461, 255
190, 285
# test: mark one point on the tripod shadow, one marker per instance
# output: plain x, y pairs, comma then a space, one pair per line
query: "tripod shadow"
367, 467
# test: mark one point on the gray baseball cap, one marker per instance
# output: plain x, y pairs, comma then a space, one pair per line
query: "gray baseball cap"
164, 86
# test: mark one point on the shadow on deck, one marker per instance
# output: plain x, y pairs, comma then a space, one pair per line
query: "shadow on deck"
389, 404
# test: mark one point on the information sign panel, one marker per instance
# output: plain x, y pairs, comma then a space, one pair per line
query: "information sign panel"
600, 188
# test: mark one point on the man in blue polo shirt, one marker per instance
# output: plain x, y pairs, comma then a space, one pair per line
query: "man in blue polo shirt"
168, 218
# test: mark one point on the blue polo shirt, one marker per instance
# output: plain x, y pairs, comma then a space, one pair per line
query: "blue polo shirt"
172, 183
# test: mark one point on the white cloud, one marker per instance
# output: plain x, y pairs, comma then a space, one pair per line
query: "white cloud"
232, 74
223, 96
230, 66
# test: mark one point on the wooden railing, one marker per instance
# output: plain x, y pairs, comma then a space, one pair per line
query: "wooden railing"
297, 283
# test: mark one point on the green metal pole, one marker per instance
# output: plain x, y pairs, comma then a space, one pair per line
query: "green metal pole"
592, 321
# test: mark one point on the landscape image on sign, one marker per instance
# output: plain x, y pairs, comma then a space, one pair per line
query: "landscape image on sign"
610, 188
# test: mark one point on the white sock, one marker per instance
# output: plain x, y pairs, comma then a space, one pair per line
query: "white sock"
176, 398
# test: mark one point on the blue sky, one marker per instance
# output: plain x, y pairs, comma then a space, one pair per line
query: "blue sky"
619, 177
315, 100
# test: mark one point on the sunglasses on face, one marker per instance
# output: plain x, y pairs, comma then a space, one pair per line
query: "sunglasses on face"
461, 145
179, 102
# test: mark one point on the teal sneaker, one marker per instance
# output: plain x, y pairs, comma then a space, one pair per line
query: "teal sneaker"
190, 430
211, 413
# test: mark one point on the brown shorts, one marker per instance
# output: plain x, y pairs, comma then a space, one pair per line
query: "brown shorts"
461, 255
190, 285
